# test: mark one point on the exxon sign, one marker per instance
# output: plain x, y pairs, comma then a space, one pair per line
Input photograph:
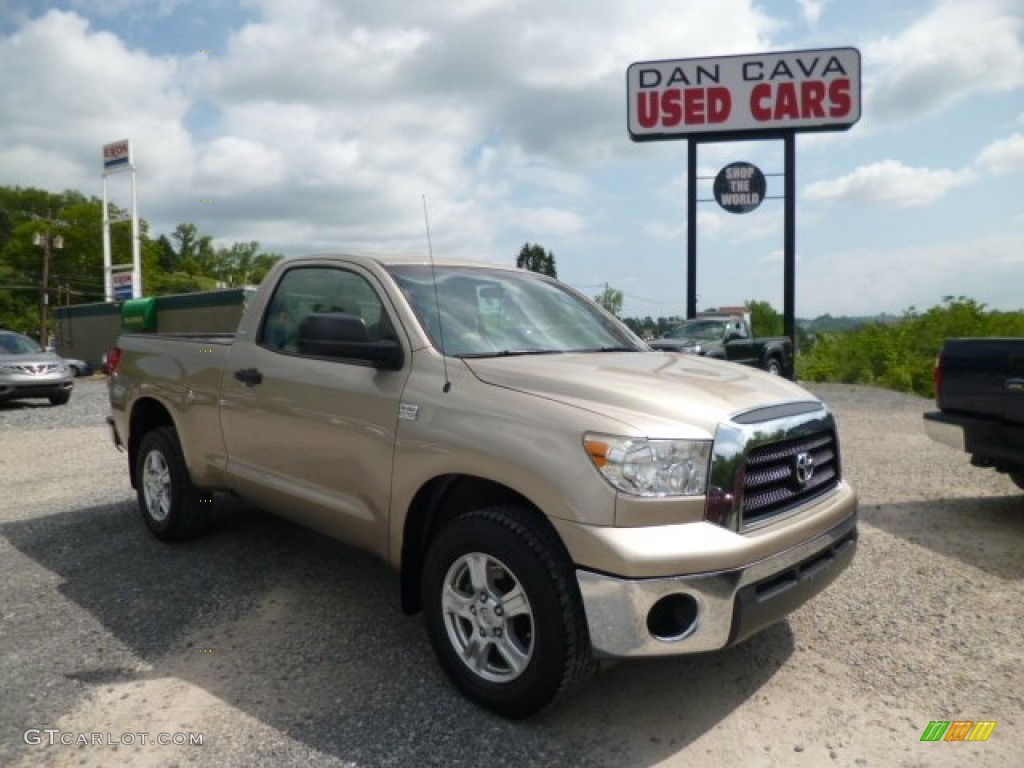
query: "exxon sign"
815, 90
117, 155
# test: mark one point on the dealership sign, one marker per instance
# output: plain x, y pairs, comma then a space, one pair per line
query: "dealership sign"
816, 90
117, 155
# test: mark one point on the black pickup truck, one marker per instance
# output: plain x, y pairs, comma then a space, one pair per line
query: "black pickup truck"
979, 389
729, 337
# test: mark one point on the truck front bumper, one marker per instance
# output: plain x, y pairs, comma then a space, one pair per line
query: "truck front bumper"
709, 611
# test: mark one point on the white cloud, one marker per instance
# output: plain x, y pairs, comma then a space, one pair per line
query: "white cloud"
812, 9
889, 182
1003, 156
57, 73
958, 49
861, 281
240, 163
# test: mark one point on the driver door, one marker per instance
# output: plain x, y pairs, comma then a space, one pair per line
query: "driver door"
312, 438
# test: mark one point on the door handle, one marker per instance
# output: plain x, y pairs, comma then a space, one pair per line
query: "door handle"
249, 376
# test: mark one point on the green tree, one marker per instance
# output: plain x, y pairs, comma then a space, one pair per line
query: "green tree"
537, 259
610, 299
195, 253
764, 320
243, 264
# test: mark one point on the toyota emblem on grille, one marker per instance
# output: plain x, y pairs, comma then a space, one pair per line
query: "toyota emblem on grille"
804, 467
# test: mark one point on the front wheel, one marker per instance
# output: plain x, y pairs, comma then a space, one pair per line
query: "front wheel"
503, 613
172, 507
60, 398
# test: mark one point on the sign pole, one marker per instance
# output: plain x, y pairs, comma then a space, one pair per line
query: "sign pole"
136, 247
691, 229
108, 280
789, 240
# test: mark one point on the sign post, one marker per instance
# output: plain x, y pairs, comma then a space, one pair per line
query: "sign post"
734, 98
117, 158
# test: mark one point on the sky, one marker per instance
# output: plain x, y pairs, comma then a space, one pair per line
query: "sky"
329, 125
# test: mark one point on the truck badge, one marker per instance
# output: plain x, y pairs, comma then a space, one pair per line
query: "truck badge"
804, 468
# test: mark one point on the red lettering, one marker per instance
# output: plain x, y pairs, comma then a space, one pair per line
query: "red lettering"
671, 109
807, 100
812, 94
647, 109
759, 94
839, 95
719, 105
694, 100
786, 105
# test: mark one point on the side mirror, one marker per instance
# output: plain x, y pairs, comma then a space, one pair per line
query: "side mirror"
732, 335
344, 336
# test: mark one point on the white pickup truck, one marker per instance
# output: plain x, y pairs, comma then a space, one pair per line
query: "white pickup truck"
551, 490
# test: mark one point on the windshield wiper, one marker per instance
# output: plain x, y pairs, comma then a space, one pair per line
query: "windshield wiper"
511, 353
608, 349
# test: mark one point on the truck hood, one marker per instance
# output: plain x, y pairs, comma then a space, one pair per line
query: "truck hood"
661, 394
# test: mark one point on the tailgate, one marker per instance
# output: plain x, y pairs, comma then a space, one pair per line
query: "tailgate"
984, 377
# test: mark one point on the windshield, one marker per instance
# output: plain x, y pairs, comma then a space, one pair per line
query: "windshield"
494, 312
16, 344
703, 330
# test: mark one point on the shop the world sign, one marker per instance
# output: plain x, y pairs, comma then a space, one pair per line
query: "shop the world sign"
815, 90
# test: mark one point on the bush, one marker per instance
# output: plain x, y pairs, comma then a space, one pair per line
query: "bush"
901, 355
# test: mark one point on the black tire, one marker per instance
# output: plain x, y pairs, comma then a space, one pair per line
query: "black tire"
171, 506
61, 399
525, 604
774, 366
1018, 479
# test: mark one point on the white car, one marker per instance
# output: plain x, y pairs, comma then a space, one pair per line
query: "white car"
28, 371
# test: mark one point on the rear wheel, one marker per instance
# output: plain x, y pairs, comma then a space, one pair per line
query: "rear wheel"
1018, 479
172, 507
503, 613
773, 366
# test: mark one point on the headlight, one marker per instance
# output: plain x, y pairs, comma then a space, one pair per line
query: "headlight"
645, 467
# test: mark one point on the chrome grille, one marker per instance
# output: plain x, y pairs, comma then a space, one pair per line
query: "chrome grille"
35, 369
769, 461
772, 484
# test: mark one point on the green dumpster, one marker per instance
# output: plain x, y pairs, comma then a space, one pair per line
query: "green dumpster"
139, 315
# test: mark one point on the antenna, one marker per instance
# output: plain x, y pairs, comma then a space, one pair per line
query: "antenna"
437, 299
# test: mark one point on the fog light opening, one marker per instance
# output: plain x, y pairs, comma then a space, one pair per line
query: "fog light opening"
673, 617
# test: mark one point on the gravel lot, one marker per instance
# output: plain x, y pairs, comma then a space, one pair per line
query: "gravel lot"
283, 648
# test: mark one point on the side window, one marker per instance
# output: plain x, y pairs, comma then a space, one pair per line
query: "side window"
304, 291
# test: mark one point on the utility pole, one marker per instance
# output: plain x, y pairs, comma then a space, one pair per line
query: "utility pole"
47, 241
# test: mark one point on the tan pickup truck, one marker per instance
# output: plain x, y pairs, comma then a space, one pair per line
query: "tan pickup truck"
551, 490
